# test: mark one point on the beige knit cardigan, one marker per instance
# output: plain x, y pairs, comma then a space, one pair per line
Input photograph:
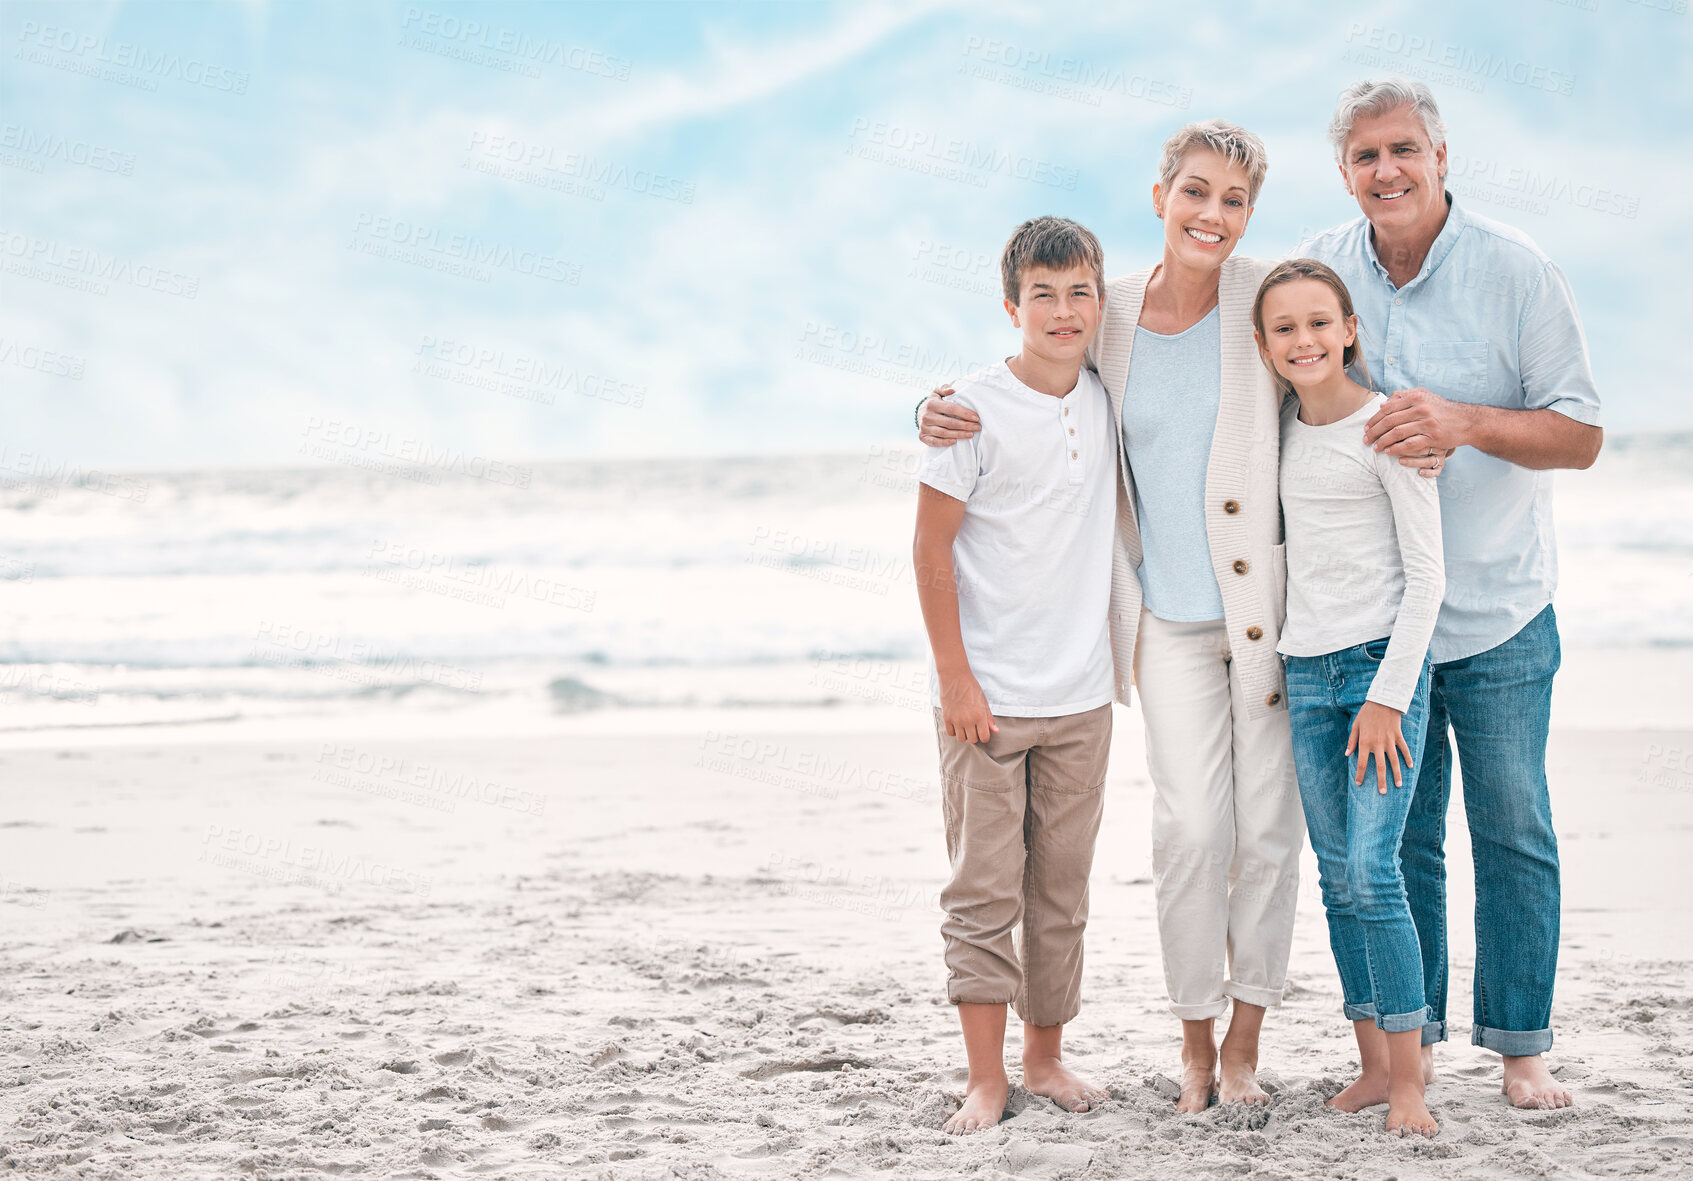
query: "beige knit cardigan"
1242, 502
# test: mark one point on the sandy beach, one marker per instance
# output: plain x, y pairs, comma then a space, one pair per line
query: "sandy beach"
711, 954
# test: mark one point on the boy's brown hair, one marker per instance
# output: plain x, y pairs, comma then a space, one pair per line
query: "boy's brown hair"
1053, 242
1309, 268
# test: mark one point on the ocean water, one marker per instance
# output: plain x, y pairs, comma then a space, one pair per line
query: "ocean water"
147, 599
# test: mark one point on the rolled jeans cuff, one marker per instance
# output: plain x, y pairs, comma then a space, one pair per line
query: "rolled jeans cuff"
1202, 1012
1512, 1043
1253, 994
1363, 1012
1433, 1032
1403, 1022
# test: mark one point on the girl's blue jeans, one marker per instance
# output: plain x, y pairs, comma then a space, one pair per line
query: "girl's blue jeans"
1356, 831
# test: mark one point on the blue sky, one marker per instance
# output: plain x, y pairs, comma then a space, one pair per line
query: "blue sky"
651, 229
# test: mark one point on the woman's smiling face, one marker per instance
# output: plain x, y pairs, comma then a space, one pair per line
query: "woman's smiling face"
1205, 210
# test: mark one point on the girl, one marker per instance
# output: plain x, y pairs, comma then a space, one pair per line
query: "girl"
1364, 584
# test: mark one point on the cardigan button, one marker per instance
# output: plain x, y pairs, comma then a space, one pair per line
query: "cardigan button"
1231, 507
1254, 633
1273, 699
1240, 566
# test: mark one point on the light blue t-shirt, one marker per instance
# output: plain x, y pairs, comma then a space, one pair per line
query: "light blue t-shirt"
1489, 320
1169, 415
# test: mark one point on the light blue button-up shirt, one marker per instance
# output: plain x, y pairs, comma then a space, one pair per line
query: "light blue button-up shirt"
1489, 320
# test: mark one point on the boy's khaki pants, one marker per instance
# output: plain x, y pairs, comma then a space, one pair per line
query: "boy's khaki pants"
1022, 812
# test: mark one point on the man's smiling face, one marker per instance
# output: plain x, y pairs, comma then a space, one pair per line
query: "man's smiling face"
1394, 172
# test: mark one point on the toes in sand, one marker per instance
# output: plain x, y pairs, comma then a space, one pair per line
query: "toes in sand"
983, 1107
1408, 1115
1051, 1078
1367, 1091
1529, 1084
1238, 1083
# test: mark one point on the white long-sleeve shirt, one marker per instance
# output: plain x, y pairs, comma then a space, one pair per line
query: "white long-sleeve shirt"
1363, 550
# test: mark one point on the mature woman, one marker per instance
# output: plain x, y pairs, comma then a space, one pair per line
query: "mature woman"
1199, 583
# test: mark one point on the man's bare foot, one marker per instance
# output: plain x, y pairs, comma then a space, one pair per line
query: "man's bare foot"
1369, 1090
1407, 1113
983, 1106
1072, 1092
1528, 1083
1238, 1080
1428, 1064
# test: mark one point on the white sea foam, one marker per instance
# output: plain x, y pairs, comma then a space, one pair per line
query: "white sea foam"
187, 596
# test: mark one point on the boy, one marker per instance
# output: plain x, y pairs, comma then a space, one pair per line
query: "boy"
1013, 553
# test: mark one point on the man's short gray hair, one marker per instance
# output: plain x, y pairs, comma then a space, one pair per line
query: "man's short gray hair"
1373, 97
1229, 140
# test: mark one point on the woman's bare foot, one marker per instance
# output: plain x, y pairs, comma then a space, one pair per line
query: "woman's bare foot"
1199, 1084
1199, 1066
1237, 1060
1237, 1080
1050, 1077
1407, 1113
983, 1106
1528, 1083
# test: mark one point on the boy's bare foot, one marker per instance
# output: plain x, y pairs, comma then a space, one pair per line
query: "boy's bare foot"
983, 1106
1407, 1113
1428, 1064
1528, 1083
1369, 1090
1238, 1080
1050, 1077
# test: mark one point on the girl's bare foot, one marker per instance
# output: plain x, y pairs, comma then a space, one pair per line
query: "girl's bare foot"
1407, 1113
1369, 1090
983, 1106
1050, 1077
1528, 1083
1373, 1075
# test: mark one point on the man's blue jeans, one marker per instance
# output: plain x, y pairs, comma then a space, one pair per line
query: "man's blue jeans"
1498, 705
1355, 832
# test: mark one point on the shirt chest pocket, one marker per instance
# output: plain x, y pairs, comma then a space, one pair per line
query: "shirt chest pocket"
1455, 369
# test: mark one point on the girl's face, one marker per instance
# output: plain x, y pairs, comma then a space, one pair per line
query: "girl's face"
1305, 336
1205, 210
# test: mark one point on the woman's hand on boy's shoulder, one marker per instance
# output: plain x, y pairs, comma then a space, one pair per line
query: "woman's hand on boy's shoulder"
943, 423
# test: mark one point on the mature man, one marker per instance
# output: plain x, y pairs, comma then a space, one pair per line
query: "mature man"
1477, 330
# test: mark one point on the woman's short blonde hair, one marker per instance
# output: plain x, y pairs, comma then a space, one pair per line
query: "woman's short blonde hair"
1229, 140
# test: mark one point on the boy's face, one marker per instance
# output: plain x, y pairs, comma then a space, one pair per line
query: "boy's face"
1058, 311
